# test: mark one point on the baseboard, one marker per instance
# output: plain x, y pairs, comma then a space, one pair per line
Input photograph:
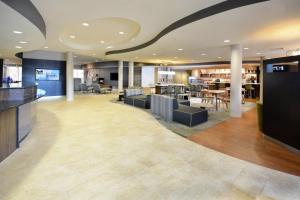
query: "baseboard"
297, 151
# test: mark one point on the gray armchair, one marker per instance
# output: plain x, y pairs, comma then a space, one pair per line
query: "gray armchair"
85, 88
96, 88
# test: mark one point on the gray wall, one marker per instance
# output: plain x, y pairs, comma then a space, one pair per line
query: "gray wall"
103, 69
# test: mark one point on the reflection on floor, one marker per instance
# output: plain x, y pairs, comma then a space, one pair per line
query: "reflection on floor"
95, 149
242, 139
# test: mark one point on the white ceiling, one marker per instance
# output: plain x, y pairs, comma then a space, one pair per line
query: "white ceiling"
270, 28
10, 21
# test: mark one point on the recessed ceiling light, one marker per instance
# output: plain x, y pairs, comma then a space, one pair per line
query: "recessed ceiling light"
19, 47
258, 53
109, 47
121, 33
23, 42
246, 48
72, 36
46, 47
180, 49
17, 32
136, 57
154, 54
226, 41
203, 54
75, 56
102, 42
175, 57
219, 57
85, 24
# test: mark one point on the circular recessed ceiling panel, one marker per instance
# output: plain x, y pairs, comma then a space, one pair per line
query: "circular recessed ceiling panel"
99, 34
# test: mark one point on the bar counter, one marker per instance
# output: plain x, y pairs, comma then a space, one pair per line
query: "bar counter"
161, 88
17, 115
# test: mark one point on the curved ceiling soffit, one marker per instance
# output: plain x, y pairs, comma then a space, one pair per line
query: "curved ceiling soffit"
29, 11
201, 14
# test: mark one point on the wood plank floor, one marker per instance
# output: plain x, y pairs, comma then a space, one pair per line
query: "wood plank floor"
241, 138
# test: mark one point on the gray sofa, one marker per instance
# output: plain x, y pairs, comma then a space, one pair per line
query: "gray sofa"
170, 109
190, 116
136, 97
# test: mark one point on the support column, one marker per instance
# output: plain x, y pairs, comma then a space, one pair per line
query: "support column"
131, 74
70, 76
120, 74
1, 72
236, 81
261, 79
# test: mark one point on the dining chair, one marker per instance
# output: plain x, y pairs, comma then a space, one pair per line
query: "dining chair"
224, 99
206, 97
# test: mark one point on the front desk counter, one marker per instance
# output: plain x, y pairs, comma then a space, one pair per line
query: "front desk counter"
17, 116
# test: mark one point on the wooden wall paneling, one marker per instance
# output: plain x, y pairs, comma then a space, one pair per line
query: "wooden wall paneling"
8, 132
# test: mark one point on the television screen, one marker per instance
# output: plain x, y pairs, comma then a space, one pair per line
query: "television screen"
47, 74
113, 76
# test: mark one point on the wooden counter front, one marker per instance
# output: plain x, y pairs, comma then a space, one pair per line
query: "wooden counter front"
8, 132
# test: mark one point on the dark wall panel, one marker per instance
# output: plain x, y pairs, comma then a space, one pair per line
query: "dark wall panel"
53, 88
281, 109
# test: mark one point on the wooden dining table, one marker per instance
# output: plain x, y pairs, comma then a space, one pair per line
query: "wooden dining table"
216, 93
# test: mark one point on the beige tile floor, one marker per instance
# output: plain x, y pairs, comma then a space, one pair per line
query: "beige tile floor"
95, 149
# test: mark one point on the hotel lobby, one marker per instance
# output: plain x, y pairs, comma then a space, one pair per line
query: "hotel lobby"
131, 99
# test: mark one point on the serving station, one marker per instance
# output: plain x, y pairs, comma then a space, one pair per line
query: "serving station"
17, 115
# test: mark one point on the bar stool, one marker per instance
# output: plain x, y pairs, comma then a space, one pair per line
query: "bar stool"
170, 90
177, 91
249, 91
198, 90
192, 90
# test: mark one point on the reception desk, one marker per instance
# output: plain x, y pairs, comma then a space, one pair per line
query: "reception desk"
17, 115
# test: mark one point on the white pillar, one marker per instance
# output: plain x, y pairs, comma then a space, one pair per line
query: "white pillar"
261, 80
131, 74
120, 74
70, 78
236, 81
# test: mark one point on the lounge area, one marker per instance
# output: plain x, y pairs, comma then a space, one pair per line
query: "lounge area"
170, 100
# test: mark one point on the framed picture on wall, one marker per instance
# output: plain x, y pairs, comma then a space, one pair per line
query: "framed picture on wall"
47, 74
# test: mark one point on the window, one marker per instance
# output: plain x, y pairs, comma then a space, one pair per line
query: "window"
15, 72
79, 73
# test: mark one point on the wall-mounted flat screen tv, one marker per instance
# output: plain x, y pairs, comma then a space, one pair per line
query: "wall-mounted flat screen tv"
47, 74
114, 76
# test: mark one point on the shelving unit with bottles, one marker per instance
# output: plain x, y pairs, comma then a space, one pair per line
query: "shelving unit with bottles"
224, 73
